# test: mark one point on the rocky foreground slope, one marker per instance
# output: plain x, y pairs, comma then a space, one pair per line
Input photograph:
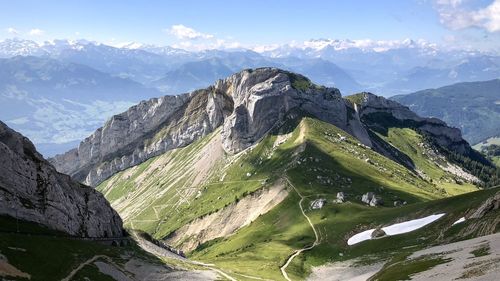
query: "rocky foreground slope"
247, 105
31, 189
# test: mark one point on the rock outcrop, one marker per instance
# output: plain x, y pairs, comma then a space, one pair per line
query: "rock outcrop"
31, 189
372, 199
377, 233
374, 110
340, 198
263, 97
146, 130
489, 205
247, 105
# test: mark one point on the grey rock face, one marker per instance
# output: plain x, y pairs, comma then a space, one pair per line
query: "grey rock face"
264, 96
489, 205
247, 105
444, 135
31, 189
144, 131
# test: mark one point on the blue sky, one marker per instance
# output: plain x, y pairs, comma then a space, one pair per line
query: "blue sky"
473, 23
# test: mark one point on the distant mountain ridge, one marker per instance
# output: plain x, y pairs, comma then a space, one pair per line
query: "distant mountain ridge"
400, 66
55, 102
382, 67
473, 107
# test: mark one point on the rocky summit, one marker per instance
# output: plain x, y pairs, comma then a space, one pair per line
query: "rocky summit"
32, 190
246, 105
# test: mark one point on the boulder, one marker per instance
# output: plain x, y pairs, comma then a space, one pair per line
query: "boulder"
318, 203
367, 197
341, 196
378, 232
376, 201
247, 105
371, 199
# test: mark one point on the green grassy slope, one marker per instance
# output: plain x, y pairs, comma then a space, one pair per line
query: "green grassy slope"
491, 149
45, 255
426, 160
159, 196
487, 142
268, 241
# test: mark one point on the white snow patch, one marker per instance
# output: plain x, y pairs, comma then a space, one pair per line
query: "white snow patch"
395, 229
460, 220
408, 226
365, 235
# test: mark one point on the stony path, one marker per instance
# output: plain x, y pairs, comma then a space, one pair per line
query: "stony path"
159, 251
297, 252
74, 271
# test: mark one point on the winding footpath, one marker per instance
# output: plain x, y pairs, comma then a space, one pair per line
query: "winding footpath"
89, 261
161, 252
297, 252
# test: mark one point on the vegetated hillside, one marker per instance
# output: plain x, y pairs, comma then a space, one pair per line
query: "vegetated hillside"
29, 251
270, 179
492, 152
474, 107
213, 206
53, 228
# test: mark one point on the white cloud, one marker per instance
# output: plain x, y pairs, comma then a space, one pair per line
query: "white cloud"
363, 44
208, 45
455, 16
12, 30
453, 3
186, 33
36, 32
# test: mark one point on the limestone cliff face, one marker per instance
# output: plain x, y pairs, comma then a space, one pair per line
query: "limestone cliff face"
446, 136
145, 130
247, 105
31, 189
264, 96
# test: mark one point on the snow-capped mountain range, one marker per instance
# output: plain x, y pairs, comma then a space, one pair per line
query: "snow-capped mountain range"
142, 71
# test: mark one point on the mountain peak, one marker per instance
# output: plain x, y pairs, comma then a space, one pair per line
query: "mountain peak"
246, 105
